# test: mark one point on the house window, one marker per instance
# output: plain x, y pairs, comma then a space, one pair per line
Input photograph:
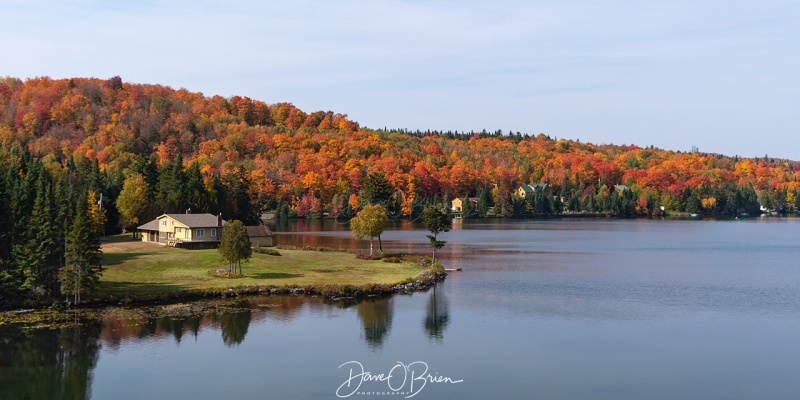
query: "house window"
214, 232
171, 223
200, 232
164, 223
178, 230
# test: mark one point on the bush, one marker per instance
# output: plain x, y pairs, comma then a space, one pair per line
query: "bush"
268, 251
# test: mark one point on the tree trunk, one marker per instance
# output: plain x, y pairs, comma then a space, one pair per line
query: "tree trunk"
371, 241
380, 244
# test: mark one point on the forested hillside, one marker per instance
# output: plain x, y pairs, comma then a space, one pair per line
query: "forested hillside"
82, 158
242, 157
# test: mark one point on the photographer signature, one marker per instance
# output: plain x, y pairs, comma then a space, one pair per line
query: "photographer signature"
403, 379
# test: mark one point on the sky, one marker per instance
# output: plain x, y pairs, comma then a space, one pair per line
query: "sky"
723, 76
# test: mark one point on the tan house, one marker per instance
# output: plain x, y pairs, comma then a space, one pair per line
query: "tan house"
193, 231
532, 188
261, 236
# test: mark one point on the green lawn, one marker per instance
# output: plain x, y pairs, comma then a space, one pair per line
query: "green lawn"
141, 269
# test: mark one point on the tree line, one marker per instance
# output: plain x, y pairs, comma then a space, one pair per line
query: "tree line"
49, 230
314, 164
55, 212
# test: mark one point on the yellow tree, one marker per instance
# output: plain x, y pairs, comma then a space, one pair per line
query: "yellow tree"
132, 201
96, 213
369, 223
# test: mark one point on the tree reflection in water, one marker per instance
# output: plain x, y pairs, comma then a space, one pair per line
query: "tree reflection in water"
437, 315
234, 325
48, 363
376, 317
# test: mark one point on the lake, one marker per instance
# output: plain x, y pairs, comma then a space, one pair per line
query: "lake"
543, 309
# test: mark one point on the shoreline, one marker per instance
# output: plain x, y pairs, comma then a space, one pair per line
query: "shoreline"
335, 292
423, 281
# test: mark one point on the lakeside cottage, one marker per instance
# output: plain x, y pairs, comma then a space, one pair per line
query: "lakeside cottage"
192, 231
457, 205
532, 188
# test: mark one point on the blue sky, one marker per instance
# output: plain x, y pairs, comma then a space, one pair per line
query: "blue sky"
722, 76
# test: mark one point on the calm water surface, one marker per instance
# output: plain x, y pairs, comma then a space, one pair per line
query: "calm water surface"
554, 309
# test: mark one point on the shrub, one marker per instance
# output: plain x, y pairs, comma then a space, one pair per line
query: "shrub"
268, 251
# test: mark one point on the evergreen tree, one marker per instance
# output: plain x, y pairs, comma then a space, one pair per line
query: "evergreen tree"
468, 209
80, 275
376, 189
239, 197
196, 193
218, 195
437, 222
38, 240
171, 196
10, 276
692, 204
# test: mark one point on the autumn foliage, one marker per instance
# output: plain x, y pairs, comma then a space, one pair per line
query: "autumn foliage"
309, 164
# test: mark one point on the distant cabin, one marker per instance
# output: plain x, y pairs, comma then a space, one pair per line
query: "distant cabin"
621, 188
261, 236
532, 188
457, 205
192, 231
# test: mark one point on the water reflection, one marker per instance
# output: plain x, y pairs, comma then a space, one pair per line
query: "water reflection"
376, 318
48, 363
437, 315
234, 325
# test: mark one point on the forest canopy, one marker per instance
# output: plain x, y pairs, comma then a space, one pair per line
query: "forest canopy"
242, 157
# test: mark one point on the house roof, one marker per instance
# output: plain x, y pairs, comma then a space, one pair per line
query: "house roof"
532, 187
150, 226
259, 231
621, 187
190, 220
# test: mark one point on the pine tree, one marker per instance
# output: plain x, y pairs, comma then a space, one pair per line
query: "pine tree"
39, 241
80, 276
436, 221
376, 189
196, 193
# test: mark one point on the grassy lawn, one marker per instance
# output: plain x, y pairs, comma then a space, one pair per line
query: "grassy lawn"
135, 268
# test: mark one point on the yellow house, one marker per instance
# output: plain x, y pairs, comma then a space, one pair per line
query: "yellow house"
457, 205
194, 231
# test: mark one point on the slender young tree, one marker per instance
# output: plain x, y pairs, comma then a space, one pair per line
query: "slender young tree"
437, 222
